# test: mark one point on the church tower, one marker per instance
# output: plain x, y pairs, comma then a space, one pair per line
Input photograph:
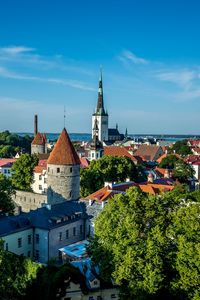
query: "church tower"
63, 170
100, 115
95, 146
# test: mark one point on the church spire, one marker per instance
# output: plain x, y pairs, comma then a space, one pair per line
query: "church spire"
100, 105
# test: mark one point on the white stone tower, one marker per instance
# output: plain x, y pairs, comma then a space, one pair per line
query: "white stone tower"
63, 169
95, 146
100, 115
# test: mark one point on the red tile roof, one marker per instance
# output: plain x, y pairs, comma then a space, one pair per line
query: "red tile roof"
6, 161
165, 155
39, 139
120, 151
149, 152
109, 191
63, 152
39, 169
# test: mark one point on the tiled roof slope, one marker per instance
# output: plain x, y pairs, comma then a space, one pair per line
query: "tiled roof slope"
63, 152
165, 155
149, 152
120, 151
109, 191
39, 139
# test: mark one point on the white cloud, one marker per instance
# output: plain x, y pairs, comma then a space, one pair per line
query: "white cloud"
131, 57
4, 72
14, 50
182, 78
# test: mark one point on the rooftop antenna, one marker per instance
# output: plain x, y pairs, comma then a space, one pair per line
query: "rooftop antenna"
64, 115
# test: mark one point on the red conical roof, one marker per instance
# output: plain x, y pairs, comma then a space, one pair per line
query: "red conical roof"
38, 139
63, 152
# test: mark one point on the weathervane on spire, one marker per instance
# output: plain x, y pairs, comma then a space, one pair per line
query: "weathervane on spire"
64, 116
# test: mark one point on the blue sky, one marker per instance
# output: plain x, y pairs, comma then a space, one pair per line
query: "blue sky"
51, 52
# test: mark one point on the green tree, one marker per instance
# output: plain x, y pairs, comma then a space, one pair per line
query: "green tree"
135, 243
107, 168
182, 148
16, 273
182, 171
23, 171
169, 161
6, 193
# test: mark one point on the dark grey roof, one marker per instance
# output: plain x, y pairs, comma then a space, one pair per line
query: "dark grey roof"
113, 131
58, 215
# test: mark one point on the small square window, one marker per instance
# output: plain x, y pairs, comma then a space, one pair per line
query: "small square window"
58, 170
40, 187
29, 239
40, 177
19, 241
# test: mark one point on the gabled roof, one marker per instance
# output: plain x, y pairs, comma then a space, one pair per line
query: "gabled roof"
148, 152
7, 162
63, 152
39, 139
120, 151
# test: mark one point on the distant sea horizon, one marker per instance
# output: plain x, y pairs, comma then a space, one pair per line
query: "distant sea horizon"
87, 136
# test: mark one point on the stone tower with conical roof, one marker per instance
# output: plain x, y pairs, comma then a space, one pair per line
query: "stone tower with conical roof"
100, 115
63, 169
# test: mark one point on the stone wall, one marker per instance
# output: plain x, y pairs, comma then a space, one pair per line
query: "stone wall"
63, 183
28, 200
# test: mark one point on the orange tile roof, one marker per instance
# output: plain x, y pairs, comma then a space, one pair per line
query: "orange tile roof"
39, 169
63, 152
39, 139
107, 192
149, 152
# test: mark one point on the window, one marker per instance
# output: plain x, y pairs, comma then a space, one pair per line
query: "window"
29, 254
19, 241
40, 177
40, 187
48, 169
91, 298
99, 298
37, 238
58, 170
74, 231
5, 171
8, 171
37, 254
6, 246
45, 180
67, 234
70, 194
29, 239
60, 236
113, 296
70, 169
81, 229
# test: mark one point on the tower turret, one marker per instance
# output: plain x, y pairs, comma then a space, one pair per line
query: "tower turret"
63, 169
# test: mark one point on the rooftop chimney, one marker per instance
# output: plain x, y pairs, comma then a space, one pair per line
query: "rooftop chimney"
35, 125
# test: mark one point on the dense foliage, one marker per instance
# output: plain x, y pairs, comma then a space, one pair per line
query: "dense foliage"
16, 273
182, 171
182, 148
22, 171
110, 169
52, 280
169, 161
150, 244
11, 143
6, 193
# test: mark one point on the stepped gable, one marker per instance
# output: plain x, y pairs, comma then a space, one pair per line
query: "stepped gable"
63, 152
38, 139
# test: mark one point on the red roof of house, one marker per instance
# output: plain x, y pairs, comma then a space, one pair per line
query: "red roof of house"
63, 152
109, 191
84, 162
120, 151
39, 139
148, 152
7, 161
